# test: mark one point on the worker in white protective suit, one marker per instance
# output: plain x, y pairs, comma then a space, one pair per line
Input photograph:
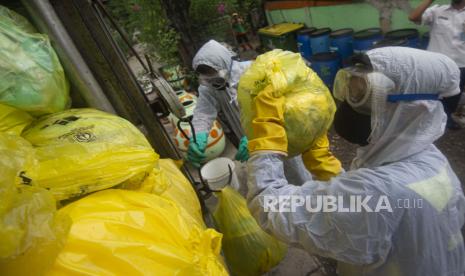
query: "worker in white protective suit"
219, 77
416, 200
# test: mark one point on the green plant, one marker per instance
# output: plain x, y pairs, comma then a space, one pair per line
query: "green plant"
147, 18
203, 11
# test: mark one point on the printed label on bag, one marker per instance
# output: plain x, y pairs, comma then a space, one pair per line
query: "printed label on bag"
80, 135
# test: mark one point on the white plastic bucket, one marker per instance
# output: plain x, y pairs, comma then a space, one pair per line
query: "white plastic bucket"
216, 174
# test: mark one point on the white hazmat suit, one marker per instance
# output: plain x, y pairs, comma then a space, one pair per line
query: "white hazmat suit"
320, 161
211, 100
400, 164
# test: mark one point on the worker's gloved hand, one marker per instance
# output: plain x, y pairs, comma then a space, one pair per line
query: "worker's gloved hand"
269, 134
243, 152
320, 161
196, 151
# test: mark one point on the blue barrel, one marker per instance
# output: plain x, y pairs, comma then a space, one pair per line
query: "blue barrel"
365, 39
303, 42
411, 35
391, 42
326, 66
424, 42
342, 42
319, 40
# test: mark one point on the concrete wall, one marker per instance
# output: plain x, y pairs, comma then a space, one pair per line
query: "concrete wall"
357, 16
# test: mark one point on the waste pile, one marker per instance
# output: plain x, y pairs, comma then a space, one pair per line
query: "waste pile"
81, 190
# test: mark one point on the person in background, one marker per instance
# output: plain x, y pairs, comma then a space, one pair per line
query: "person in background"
240, 32
219, 76
447, 36
387, 8
390, 107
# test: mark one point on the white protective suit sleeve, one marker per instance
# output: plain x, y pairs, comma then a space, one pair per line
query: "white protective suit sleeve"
357, 238
211, 101
205, 111
423, 240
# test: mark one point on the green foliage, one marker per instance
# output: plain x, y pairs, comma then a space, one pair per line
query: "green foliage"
148, 18
203, 11
156, 31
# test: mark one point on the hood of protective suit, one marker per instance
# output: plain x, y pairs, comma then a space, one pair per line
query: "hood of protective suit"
405, 128
214, 55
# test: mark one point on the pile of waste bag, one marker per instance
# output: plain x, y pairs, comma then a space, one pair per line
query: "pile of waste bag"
82, 191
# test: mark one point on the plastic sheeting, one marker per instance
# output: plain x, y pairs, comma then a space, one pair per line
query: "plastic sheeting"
31, 76
13, 120
120, 232
31, 234
248, 249
86, 150
309, 106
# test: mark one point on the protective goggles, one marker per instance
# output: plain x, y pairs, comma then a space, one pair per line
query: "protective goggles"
353, 85
356, 85
216, 81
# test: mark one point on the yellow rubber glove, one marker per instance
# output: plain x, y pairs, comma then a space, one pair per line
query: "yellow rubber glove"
268, 125
320, 161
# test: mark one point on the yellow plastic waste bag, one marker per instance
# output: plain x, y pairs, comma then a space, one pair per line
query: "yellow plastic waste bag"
31, 233
13, 120
169, 182
16, 157
31, 76
86, 150
248, 249
309, 108
120, 232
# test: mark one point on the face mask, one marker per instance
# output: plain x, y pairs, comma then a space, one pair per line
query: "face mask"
351, 125
216, 82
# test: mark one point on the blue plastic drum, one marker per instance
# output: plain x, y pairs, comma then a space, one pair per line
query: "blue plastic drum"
391, 42
326, 66
342, 42
365, 39
303, 42
319, 40
411, 35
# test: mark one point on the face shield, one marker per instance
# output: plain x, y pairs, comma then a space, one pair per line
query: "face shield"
356, 85
216, 81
